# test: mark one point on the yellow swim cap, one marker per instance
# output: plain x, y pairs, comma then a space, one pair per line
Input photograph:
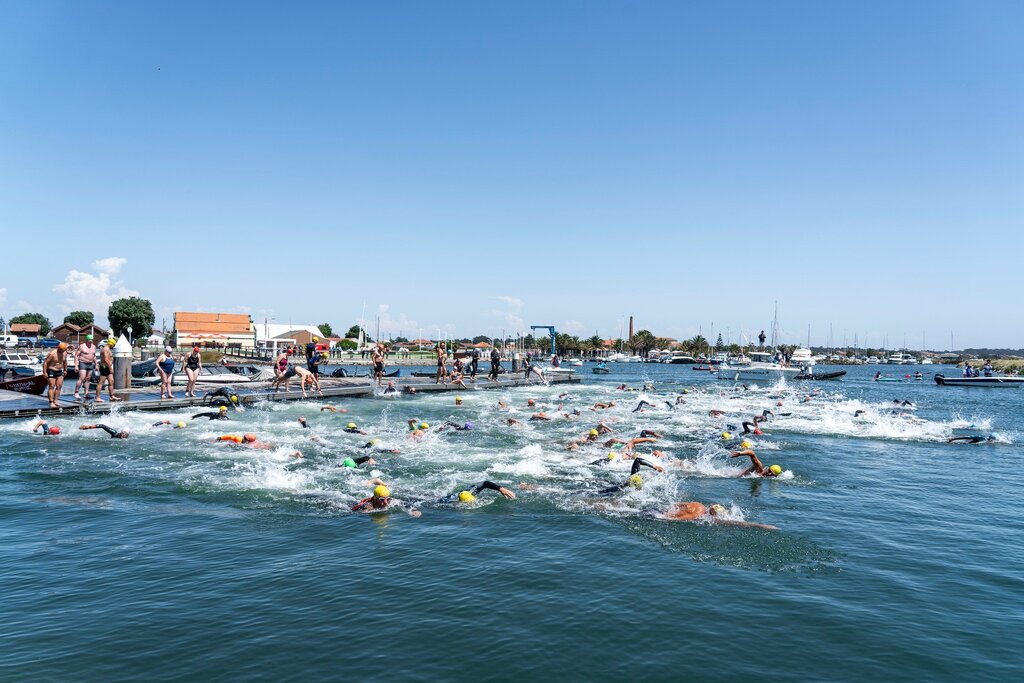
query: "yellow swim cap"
458, 399
424, 425
223, 408
381, 491
181, 425
234, 398
351, 425
466, 497
726, 435
375, 441
636, 481
612, 456
745, 444
775, 469
593, 432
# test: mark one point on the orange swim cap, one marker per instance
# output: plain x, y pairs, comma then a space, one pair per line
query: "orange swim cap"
250, 437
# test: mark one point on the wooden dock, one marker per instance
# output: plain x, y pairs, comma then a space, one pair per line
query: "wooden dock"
15, 405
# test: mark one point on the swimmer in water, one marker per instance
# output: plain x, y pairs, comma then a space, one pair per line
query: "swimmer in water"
114, 434
628, 446
716, 413
47, 429
634, 480
177, 425
603, 406
541, 416
351, 428
692, 511
641, 405
222, 397
602, 428
390, 388
972, 439
333, 409
350, 463
466, 427
858, 413
644, 433
469, 495
221, 414
380, 500
755, 465
512, 421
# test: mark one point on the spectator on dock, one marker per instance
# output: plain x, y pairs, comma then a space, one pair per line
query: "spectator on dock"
378, 363
106, 368
442, 363
495, 365
193, 363
474, 362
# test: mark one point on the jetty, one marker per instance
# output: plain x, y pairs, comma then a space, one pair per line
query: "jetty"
14, 405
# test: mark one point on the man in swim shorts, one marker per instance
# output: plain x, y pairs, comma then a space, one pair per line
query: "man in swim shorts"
86, 364
55, 366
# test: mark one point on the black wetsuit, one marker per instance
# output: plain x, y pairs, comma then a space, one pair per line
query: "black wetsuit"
474, 362
495, 364
114, 433
218, 415
641, 405
353, 430
223, 392
637, 464
452, 497
312, 358
749, 427
362, 458
461, 428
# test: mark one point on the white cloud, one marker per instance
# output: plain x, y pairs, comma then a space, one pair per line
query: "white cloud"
110, 265
93, 292
511, 315
572, 327
393, 325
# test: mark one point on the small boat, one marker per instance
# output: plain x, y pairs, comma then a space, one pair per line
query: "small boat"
760, 367
821, 375
705, 368
801, 358
600, 369
33, 384
213, 374
680, 358
994, 382
575, 362
144, 368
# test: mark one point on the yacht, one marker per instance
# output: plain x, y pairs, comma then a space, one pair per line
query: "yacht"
762, 367
681, 358
617, 358
633, 359
19, 359
927, 361
802, 358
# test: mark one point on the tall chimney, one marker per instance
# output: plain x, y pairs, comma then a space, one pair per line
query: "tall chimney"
630, 327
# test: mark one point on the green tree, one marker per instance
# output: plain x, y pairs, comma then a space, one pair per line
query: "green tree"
347, 345
131, 312
325, 329
481, 338
353, 333
33, 319
641, 342
718, 344
80, 318
400, 340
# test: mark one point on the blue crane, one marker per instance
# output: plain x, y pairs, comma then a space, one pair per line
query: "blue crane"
551, 331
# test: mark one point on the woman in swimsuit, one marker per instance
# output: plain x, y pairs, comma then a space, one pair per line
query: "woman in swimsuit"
193, 366
165, 366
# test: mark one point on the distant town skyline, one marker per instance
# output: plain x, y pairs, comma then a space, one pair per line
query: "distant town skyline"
468, 168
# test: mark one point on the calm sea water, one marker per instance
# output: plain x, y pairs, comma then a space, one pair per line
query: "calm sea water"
168, 557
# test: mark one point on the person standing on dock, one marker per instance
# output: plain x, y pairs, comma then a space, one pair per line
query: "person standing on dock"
378, 363
760, 340
442, 360
495, 364
193, 366
474, 363
86, 364
55, 366
165, 366
313, 357
106, 368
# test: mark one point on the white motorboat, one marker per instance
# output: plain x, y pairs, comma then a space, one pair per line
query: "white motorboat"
802, 358
19, 359
992, 382
762, 367
682, 358
617, 358
927, 361
212, 374
574, 362
634, 359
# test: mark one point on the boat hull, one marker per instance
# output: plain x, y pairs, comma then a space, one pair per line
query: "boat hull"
755, 373
36, 384
991, 382
821, 375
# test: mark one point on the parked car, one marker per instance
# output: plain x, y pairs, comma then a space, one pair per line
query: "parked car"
48, 343
24, 343
8, 340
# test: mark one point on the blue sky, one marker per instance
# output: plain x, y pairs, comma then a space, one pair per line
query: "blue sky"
473, 167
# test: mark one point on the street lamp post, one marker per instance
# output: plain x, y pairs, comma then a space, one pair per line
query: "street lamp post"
129, 331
